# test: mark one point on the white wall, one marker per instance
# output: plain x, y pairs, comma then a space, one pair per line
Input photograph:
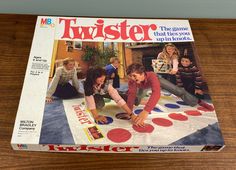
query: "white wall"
124, 8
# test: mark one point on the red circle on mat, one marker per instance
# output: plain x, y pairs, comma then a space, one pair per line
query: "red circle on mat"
193, 112
203, 109
119, 135
178, 116
162, 122
146, 129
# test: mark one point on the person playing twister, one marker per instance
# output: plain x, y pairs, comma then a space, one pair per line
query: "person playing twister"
112, 71
96, 87
60, 85
139, 80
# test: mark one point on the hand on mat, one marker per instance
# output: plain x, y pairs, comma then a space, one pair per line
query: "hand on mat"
133, 118
100, 119
49, 99
139, 120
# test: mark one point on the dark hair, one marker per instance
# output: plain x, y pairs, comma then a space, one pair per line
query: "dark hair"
187, 57
91, 77
135, 67
80, 75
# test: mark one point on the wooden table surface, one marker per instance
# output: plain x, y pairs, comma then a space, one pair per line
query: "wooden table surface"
215, 40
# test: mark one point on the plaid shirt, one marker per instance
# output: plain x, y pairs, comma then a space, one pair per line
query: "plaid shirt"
170, 60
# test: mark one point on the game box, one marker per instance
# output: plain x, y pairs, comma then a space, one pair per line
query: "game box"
177, 123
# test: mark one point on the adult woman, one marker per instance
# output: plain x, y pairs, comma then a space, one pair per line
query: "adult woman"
96, 88
170, 55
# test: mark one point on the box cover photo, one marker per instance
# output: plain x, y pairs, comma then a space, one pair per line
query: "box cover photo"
115, 85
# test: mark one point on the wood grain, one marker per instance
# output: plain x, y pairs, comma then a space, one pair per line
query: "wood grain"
215, 40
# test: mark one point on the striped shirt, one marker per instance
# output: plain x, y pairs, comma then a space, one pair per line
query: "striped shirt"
190, 73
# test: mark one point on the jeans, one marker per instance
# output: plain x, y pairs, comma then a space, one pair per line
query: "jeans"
170, 87
178, 91
65, 91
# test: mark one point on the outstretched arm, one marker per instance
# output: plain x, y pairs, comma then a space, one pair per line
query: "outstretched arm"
90, 102
132, 90
155, 96
118, 99
53, 85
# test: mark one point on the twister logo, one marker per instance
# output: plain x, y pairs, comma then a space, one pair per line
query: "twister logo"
102, 30
46, 22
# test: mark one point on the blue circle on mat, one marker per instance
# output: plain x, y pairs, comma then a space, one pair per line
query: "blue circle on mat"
156, 109
182, 103
138, 111
172, 106
109, 121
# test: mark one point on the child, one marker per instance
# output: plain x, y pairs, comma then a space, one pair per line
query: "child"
140, 80
60, 85
112, 72
96, 87
170, 55
189, 77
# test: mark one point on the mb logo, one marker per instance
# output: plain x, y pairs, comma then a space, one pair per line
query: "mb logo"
46, 22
